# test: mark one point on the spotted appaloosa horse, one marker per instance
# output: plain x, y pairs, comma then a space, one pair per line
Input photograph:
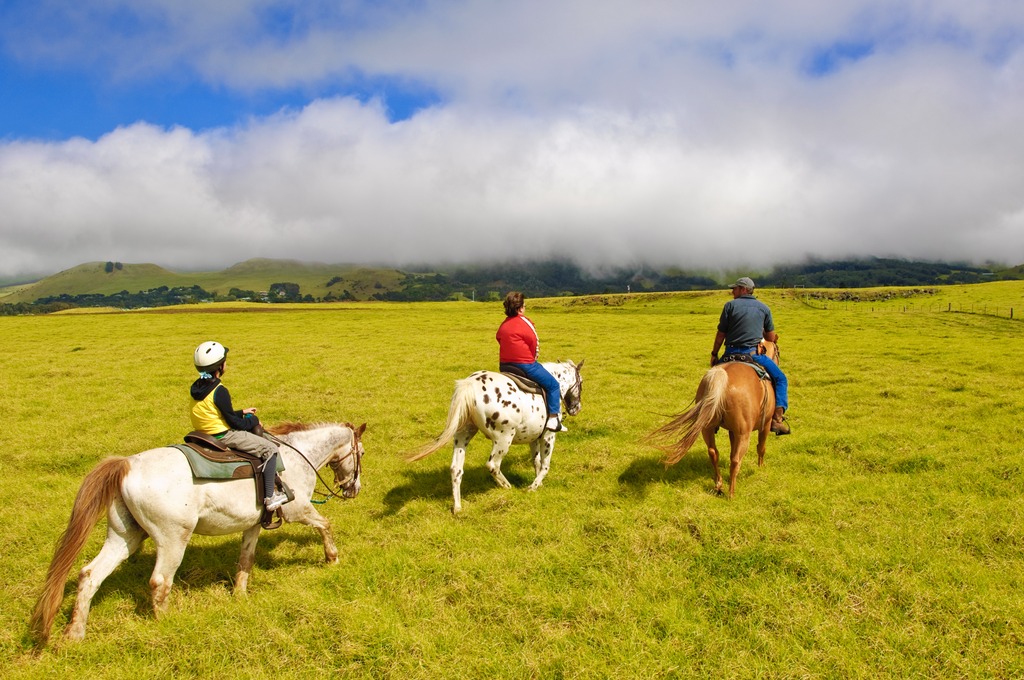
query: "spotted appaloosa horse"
491, 403
730, 395
153, 494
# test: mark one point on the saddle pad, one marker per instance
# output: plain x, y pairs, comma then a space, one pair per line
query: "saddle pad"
226, 465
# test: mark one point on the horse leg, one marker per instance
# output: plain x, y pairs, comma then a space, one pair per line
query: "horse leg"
762, 440
462, 438
170, 549
542, 458
739, 443
709, 440
498, 451
124, 536
247, 558
308, 515
767, 411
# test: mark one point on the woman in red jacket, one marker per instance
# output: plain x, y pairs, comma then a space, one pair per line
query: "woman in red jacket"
519, 346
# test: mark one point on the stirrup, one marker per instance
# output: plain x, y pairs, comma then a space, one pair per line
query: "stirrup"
281, 486
559, 427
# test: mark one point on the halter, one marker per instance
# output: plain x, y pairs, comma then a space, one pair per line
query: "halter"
353, 451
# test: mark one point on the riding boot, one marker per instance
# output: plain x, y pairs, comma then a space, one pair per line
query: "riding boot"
779, 424
272, 499
269, 469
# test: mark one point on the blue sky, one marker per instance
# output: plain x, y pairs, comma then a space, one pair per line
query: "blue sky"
66, 88
49, 104
196, 135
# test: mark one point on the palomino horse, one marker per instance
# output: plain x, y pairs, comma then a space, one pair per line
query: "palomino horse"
154, 494
730, 395
491, 403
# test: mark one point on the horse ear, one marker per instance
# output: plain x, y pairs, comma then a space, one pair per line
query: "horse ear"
579, 366
361, 429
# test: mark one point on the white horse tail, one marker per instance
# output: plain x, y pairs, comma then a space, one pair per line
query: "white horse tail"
458, 415
701, 415
98, 490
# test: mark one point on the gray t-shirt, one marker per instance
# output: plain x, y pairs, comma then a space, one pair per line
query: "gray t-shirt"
744, 321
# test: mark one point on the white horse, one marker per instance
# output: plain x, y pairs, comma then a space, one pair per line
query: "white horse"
492, 403
154, 494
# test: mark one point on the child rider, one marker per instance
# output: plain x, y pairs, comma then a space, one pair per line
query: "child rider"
212, 413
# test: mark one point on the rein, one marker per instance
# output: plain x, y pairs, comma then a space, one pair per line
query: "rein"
353, 451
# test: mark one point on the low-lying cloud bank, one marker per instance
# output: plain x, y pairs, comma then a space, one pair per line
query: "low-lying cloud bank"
337, 182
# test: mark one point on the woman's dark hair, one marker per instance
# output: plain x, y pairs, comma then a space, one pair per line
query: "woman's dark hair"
513, 303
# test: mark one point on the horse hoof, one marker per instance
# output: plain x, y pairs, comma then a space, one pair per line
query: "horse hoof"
74, 634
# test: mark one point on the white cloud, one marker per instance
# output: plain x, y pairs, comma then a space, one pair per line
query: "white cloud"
666, 132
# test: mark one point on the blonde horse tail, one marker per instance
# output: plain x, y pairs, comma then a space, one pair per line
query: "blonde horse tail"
708, 410
98, 490
458, 415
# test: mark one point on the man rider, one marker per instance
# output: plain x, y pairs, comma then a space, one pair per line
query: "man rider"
744, 322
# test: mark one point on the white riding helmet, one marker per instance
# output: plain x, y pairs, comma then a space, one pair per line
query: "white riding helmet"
209, 356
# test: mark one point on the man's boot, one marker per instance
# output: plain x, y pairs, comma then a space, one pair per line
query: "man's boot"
779, 424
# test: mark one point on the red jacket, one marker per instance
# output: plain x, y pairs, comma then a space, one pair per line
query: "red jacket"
517, 341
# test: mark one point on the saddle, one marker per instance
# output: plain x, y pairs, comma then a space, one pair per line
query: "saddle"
209, 458
516, 375
749, 360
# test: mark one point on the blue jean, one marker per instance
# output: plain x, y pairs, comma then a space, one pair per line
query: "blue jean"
540, 375
779, 381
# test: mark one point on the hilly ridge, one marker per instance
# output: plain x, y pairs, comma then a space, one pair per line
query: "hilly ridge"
121, 285
91, 278
98, 278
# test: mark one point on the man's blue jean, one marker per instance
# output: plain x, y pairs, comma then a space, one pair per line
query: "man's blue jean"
779, 381
540, 375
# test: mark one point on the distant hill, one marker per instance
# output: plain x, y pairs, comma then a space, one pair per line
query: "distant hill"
873, 272
1013, 273
118, 285
94, 278
257, 276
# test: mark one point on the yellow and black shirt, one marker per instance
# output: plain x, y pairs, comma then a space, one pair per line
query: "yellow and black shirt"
211, 410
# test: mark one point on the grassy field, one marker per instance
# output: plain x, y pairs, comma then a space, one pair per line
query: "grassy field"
882, 539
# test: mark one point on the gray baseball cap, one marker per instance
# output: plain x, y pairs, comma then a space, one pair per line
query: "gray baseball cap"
743, 282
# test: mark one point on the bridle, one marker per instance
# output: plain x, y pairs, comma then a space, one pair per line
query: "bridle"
576, 389
356, 450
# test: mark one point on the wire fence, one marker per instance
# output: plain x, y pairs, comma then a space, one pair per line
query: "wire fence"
904, 307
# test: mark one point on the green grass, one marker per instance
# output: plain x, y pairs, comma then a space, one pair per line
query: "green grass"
883, 538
